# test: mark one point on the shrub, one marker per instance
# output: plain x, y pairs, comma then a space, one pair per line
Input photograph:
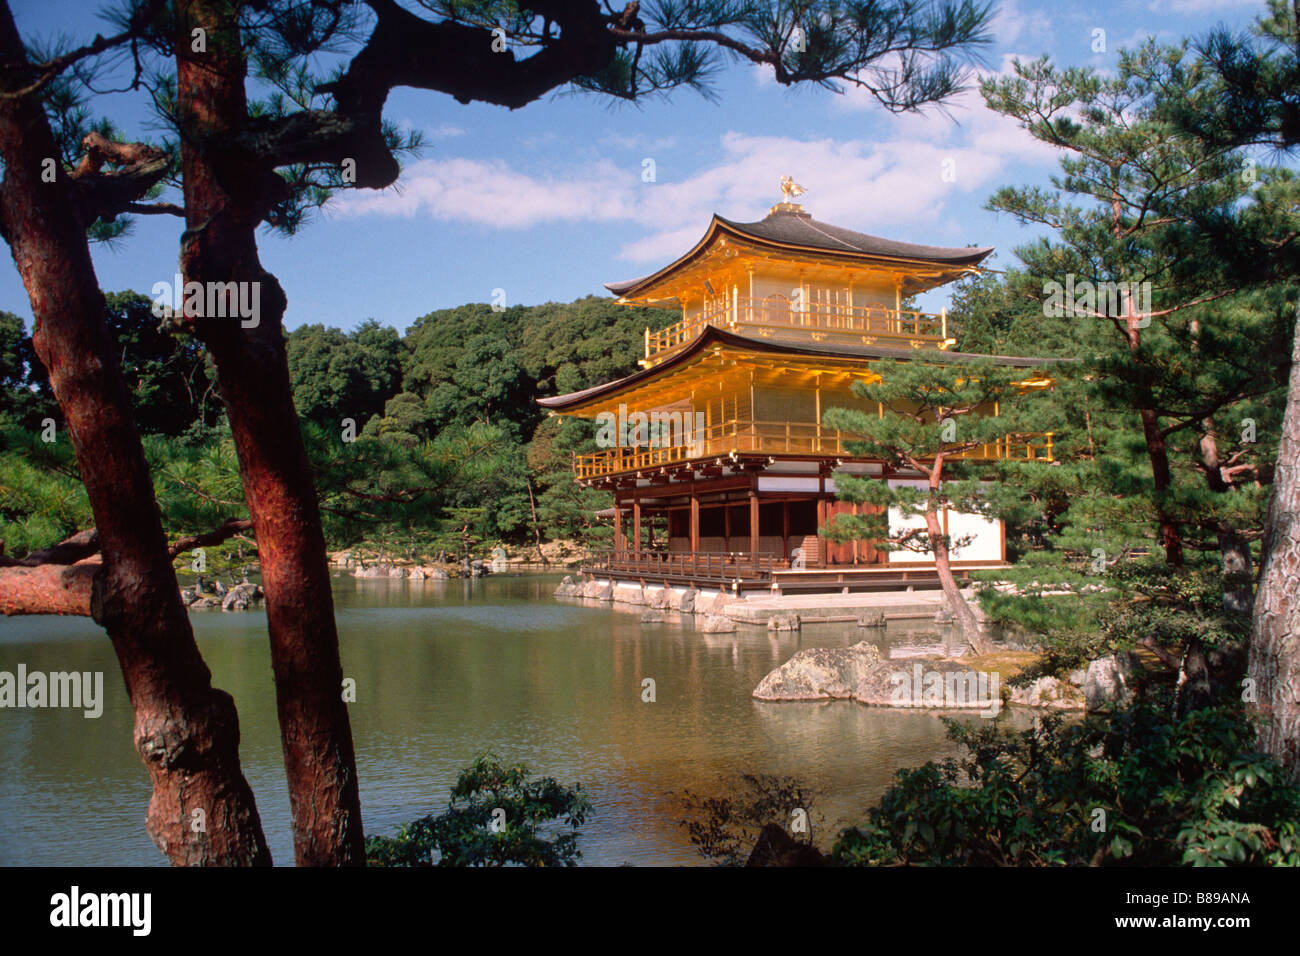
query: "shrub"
497, 816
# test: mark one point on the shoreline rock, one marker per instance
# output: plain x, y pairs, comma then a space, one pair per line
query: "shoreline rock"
241, 597
859, 673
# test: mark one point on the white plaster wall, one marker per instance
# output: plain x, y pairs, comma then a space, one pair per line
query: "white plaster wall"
986, 544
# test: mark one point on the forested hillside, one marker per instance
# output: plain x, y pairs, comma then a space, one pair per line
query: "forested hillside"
428, 440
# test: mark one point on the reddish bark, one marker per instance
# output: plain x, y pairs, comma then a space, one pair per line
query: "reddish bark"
186, 731
51, 581
227, 194
47, 589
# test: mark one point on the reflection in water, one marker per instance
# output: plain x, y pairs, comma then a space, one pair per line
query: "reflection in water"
444, 671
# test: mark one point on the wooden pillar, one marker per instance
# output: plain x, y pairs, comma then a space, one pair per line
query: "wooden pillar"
618, 527
753, 527
822, 519
695, 523
726, 526
636, 524
817, 398
785, 528
898, 303
855, 540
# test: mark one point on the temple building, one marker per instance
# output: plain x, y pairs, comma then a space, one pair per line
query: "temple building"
722, 472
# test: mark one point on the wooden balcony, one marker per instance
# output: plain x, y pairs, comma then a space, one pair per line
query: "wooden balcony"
776, 315
714, 567
779, 438
767, 573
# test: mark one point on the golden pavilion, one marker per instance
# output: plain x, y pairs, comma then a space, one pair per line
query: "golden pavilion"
719, 434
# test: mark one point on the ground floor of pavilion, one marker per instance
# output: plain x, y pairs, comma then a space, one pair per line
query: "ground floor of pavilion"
756, 530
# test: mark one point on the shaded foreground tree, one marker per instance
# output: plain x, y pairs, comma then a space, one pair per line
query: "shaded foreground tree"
1139, 788
759, 820
1274, 663
1253, 85
247, 163
186, 731
1140, 212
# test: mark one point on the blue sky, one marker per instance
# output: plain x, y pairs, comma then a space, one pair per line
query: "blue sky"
548, 202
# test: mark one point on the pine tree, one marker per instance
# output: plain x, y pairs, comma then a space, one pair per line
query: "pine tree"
931, 412
1165, 332
1253, 98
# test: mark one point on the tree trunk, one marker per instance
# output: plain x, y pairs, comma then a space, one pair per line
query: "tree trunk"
1193, 687
187, 732
961, 612
1234, 550
1171, 537
226, 197
47, 588
1274, 662
537, 529
1193, 690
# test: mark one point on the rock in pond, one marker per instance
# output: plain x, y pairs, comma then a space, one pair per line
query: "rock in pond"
820, 673
717, 624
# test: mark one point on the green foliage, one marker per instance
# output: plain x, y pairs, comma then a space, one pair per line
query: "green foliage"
474, 363
1185, 790
23, 400
171, 383
498, 815
42, 500
1077, 613
1168, 422
1254, 83
935, 408
725, 828
451, 447
337, 375
874, 43
564, 508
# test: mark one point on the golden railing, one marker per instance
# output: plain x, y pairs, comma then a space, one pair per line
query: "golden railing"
780, 438
861, 324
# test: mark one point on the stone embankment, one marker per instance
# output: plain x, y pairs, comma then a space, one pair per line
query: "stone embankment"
723, 610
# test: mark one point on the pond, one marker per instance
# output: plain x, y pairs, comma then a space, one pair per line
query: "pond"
445, 670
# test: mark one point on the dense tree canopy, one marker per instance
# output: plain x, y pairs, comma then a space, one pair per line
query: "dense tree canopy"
444, 418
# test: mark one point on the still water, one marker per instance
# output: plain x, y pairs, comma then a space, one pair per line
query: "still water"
444, 671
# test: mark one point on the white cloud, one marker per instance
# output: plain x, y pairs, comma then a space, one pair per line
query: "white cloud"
1012, 24
1201, 6
446, 131
887, 185
490, 193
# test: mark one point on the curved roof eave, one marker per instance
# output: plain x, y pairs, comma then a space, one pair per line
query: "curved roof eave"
835, 241
712, 334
